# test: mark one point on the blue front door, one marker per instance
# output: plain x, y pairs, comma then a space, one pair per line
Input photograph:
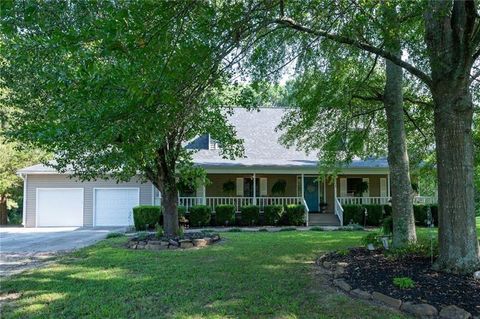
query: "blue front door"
310, 190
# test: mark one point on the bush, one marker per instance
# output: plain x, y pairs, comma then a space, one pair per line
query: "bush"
159, 233
370, 238
146, 215
421, 214
115, 235
182, 210
355, 214
404, 282
273, 214
294, 215
387, 225
225, 215
250, 215
200, 215
288, 229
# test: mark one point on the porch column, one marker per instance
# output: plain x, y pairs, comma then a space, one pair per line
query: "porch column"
388, 185
303, 190
204, 193
254, 189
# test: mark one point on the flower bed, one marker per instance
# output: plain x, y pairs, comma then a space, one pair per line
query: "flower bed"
370, 275
189, 240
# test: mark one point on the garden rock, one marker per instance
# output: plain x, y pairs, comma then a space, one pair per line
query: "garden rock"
186, 244
419, 310
339, 272
454, 312
361, 294
476, 275
342, 284
200, 242
387, 300
327, 264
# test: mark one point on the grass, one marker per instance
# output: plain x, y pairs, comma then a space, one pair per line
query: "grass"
249, 275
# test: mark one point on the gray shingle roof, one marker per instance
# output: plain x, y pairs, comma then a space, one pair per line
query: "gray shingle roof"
261, 142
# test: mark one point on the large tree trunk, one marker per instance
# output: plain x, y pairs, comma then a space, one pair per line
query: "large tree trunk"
3, 210
448, 37
401, 187
170, 212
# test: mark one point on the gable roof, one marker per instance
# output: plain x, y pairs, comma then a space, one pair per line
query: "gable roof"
258, 130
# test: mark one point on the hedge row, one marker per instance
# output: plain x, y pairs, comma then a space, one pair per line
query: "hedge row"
225, 215
376, 213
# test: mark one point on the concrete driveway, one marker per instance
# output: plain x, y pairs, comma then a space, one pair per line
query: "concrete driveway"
26, 248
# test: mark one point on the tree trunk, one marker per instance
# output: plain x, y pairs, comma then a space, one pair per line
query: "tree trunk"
448, 37
3, 210
401, 187
458, 245
170, 212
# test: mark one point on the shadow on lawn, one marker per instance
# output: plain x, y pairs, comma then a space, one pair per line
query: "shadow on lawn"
251, 275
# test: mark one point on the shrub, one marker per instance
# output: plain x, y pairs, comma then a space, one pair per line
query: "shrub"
273, 214
143, 235
159, 233
288, 229
316, 228
200, 215
182, 210
370, 238
375, 214
352, 213
422, 249
388, 210
295, 215
403, 282
421, 214
250, 215
115, 235
225, 215
180, 232
146, 215
355, 214
387, 225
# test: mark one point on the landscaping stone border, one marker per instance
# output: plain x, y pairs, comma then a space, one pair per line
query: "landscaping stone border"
336, 271
177, 243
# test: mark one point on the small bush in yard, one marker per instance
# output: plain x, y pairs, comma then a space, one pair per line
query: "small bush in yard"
387, 225
200, 215
403, 282
273, 214
294, 215
115, 235
225, 215
146, 215
250, 215
159, 233
370, 238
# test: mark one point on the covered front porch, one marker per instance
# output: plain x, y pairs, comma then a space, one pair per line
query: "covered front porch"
320, 196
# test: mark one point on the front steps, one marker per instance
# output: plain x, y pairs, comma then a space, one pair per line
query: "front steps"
318, 219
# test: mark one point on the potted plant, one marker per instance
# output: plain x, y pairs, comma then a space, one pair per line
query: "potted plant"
361, 188
229, 187
279, 187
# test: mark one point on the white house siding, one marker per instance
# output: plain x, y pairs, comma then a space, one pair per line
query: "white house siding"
62, 181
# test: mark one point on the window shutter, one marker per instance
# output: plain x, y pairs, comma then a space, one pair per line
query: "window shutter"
367, 193
383, 187
263, 186
239, 186
343, 187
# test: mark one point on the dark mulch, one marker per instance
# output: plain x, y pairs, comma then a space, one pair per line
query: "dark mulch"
373, 271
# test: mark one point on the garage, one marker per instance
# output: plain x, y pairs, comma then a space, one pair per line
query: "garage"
113, 206
59, 207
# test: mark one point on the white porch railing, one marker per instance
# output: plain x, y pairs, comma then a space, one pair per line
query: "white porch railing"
306, 210
235, 201
265, 201
426, 200
339, 210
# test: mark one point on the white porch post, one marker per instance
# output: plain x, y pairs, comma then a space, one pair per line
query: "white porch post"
204, 193
388, 185
254, 189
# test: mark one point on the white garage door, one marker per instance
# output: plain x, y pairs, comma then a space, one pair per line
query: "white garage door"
59, 207
113, 206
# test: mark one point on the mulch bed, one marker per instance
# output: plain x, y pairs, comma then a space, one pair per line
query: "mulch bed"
373, 271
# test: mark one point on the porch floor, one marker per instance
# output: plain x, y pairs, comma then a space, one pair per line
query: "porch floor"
319, 219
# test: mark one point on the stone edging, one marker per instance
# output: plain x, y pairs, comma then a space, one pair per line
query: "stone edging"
173, 243
337, 270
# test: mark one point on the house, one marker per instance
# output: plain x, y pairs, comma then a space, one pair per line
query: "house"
269, 173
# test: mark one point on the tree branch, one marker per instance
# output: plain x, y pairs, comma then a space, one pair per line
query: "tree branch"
415, 124
289, 23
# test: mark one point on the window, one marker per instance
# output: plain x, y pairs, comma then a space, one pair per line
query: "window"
353, 185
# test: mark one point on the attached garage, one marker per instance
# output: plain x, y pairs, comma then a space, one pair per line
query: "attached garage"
59, 207
113, 206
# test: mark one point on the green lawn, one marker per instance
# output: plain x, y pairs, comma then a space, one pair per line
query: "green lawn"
249, 275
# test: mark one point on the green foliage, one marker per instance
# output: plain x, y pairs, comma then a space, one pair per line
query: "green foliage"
343, 252
15, 216
273, 214
146, 215
200, 215
316, 228
279, 187
421, 214
387, 225
182, 210
294, 215
421, 248
288, 229
115, 235
225, 215
250, 215
404, 282
180, 232
355, 213
159, 233
370, 238
229, 187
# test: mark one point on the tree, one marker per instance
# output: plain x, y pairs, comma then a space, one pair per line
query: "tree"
115, 89
443, 61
